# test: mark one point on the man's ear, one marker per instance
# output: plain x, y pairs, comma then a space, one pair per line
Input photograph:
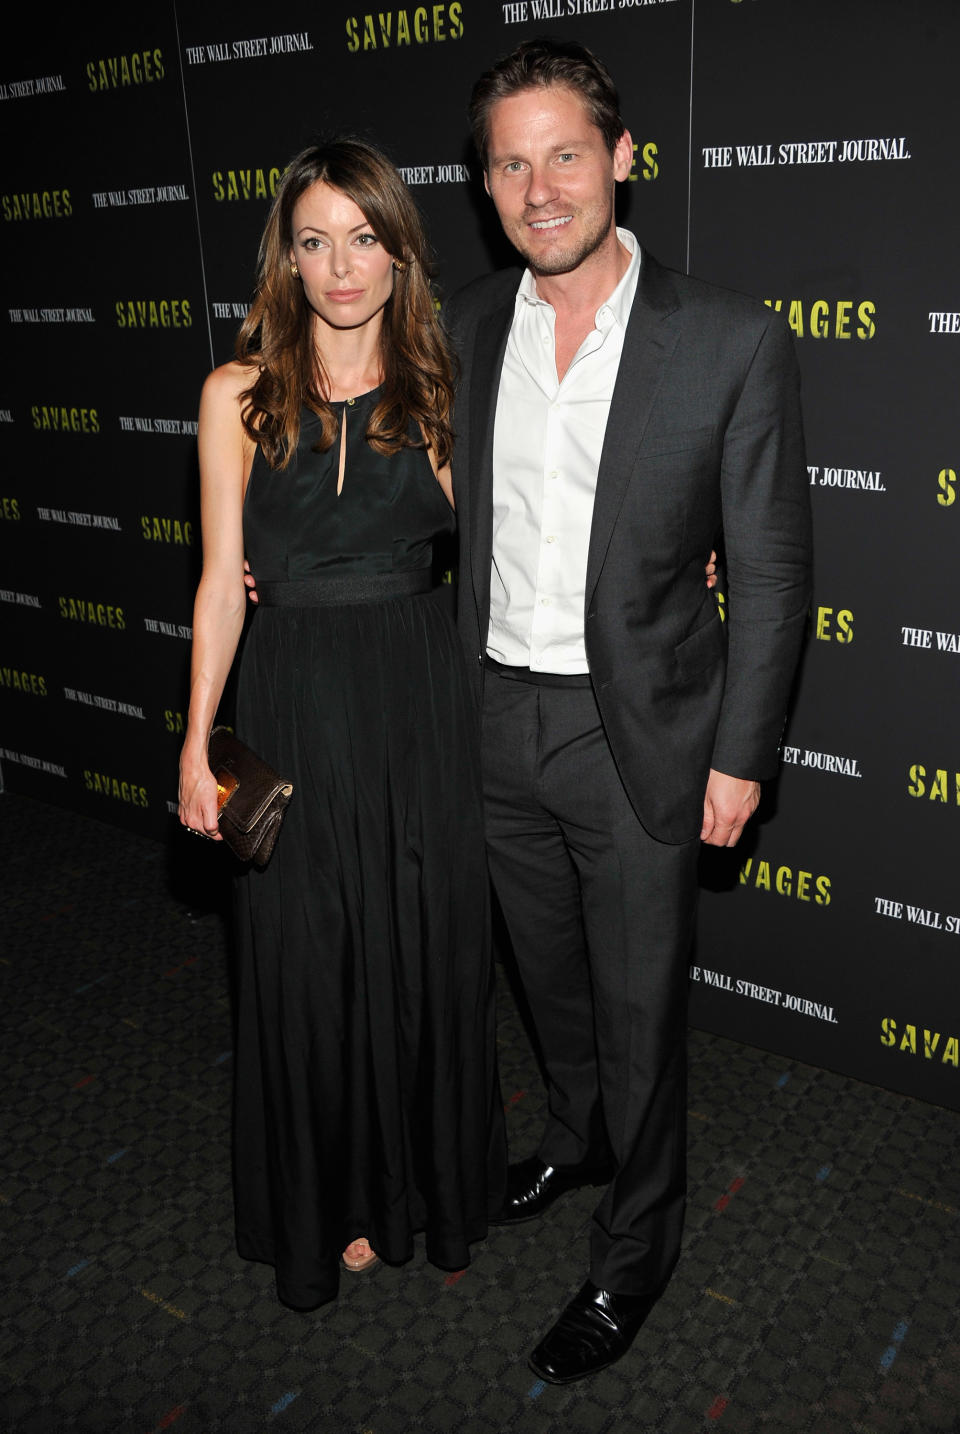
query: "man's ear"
623, 156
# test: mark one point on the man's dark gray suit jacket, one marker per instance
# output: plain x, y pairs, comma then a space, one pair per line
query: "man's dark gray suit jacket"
703, 441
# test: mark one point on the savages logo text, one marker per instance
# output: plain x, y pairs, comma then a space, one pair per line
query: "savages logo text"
245, 183
153, 313
55, 418
822, 319
115, 72
422, 26
37, 204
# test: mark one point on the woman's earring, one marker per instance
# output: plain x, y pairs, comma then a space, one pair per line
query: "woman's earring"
294, 271
399, 265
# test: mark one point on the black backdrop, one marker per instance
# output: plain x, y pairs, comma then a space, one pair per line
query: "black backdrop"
801, 150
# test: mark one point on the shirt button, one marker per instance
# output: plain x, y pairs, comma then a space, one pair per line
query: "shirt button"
552, 474
551, 538
544, 602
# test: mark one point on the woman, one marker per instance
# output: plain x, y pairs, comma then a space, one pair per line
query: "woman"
367, 1105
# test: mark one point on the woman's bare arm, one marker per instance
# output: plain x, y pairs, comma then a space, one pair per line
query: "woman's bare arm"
226, 454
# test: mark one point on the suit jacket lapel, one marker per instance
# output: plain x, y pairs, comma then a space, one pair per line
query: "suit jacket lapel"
653, 332
487, 361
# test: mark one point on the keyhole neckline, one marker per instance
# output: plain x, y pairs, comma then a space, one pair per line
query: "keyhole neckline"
350, 402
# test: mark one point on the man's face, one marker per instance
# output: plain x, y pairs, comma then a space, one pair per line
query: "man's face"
552, 178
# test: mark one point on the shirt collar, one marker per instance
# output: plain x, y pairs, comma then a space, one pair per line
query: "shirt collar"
620, 301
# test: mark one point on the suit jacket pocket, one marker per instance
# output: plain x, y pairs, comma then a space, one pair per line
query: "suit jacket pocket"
701, 649
659, 444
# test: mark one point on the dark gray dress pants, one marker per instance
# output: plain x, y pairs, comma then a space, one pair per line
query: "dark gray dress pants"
600, 916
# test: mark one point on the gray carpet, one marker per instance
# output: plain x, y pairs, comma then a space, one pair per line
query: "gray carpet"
818, 1290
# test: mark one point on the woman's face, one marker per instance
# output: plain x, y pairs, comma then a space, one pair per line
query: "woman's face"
347, 274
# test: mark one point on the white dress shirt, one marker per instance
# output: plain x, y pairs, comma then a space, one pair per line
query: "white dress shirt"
546, 451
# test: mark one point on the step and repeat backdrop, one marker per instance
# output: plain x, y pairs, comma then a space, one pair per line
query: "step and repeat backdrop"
804, 151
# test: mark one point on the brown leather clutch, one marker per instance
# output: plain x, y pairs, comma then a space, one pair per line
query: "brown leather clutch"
251, 797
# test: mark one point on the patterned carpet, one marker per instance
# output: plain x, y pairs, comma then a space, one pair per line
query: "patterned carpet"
817, 1291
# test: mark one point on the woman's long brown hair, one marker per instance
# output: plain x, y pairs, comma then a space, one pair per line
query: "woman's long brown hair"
276, 337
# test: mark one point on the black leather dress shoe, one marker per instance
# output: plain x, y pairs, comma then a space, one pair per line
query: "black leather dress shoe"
595, 1329
532, 1187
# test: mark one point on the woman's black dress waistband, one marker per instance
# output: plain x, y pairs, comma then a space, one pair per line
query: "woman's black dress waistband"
342, 588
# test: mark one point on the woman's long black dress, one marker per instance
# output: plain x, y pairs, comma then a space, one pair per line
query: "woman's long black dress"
367, 1100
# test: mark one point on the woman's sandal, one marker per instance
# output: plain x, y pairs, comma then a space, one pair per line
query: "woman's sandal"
358, 1264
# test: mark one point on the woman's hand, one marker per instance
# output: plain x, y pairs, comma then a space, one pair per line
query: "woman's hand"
712, 570
198, 796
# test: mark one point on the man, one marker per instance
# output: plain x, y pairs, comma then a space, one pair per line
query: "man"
613, 418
